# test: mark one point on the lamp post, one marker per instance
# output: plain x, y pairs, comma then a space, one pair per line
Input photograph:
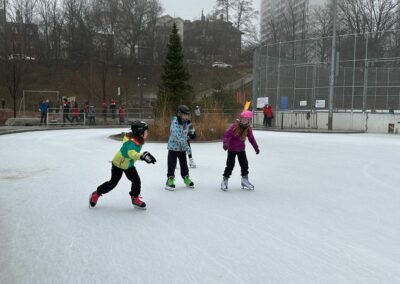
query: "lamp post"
141, 83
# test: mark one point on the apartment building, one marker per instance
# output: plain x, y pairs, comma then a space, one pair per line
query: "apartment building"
290, 15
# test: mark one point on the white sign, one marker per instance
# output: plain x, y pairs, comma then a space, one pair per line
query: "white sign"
261, 102
119, 91
303, 103
320, 103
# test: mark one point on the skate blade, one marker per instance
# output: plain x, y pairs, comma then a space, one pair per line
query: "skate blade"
169, 188
224, 189
190, 186
247, 188
140, 208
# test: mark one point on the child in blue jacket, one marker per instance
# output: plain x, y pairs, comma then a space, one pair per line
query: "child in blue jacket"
177, 148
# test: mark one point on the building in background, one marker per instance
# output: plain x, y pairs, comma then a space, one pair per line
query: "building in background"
203, 41
285, 20
207, 41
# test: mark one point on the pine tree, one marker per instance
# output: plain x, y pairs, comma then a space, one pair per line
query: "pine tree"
174, 88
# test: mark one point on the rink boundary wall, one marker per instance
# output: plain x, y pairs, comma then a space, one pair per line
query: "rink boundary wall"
351, 121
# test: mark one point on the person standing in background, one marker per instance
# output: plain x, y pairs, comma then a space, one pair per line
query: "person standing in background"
270, 115
44, 107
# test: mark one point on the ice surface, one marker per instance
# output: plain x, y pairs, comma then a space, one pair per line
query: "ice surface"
326, 209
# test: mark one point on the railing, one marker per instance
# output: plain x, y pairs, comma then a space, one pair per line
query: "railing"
289, 120
59, 117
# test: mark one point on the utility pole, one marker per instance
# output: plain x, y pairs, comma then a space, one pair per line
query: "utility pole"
5, 31
333, 63
141, 83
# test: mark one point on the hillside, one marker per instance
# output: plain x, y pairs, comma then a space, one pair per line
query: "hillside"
93, 82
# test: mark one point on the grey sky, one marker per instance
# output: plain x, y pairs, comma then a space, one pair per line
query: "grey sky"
191, 9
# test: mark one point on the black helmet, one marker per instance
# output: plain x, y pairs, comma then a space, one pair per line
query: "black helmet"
183, 109
138, 128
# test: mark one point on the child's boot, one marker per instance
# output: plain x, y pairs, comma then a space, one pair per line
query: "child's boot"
246, 183
188, 182
224, 184
192, 164
170, 184
138, 203
93, 198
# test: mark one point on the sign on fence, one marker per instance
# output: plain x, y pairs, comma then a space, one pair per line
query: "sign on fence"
284, 103
320, 103
261, 102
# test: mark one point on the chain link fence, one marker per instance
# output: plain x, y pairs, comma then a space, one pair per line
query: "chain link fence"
294, 76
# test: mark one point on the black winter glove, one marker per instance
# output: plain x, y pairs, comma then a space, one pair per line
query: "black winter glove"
258, 151
192, 134
148, 158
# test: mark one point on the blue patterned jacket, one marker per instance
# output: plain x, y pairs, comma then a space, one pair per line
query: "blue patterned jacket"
178, 135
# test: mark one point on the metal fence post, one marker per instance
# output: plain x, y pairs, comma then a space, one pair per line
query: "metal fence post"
354, 71
333, 62
279, 78
364, 102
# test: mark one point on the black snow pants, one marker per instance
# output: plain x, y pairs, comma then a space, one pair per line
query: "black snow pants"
230, 163
116, 174
172, 159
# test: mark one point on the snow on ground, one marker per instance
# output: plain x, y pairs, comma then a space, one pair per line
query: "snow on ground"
325, 209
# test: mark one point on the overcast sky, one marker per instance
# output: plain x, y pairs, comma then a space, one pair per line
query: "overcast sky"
191, 9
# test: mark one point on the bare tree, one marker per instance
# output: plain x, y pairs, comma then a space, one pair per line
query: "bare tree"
78, 30
242, 15
131, 24
371, 18
20, 45
362, 16
244, 20
321, 27
225, 7
50, 27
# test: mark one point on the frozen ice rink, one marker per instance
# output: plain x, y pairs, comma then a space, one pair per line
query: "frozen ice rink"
326, 209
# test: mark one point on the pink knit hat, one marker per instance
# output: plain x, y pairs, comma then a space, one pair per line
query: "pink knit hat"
246, 114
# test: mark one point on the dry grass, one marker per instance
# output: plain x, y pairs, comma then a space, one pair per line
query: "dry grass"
209, 127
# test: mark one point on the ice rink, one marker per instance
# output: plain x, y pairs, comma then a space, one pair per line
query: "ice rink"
325, 209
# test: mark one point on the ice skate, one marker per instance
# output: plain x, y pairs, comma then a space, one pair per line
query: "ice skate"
94, 196
246, 183
224, 184
192, 164
188, 182
170, 184
138, 203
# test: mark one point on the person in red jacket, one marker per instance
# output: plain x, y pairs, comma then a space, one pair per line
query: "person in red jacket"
268, 115
121, 113
265, 114
75, 113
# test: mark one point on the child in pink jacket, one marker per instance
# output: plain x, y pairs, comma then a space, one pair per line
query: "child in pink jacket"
234, 142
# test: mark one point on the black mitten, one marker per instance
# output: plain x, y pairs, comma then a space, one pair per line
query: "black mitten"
148, 158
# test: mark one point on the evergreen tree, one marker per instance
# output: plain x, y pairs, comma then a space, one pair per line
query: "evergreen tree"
174, 88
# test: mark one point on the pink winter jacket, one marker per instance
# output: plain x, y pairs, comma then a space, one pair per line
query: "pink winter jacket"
235, 143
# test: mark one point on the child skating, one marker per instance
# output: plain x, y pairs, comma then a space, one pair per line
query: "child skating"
234, 142
124, 162
177, 148
191, 135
